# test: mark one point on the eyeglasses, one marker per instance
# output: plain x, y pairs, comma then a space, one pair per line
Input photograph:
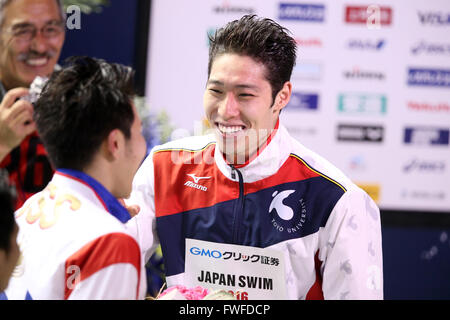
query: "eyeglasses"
26, 32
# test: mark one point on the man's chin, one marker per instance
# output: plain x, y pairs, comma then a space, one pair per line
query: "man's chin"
26, 81
234, 155
29, 73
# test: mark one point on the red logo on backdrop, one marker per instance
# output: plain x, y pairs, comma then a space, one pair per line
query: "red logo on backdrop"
423, 106
309, 42
359, 14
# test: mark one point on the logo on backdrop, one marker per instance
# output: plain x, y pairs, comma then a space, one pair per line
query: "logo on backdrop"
424, 166
363, 15
360, 133
311, 71
226, 7
362, 103
358, 74
312, 42
428, 77
431, 48
423, 195
426, 136
424, 106
302, 131
303, 101
301, 12
289, 209
366, 45
434, 18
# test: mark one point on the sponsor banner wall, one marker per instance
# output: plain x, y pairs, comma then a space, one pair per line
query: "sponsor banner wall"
371, 86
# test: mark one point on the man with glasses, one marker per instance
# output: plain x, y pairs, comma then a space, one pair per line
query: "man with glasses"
31, 38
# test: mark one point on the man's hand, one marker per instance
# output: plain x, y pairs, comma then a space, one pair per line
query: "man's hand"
16, 120
133, 210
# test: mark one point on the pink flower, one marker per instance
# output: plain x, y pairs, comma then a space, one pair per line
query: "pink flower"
196, 293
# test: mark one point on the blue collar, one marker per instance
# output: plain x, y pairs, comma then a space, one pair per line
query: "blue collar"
112, 205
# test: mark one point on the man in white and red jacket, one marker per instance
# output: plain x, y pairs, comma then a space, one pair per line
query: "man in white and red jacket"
72, 236
251, 185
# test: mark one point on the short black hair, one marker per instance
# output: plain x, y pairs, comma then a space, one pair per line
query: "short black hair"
261, 39
7, 204
80, 105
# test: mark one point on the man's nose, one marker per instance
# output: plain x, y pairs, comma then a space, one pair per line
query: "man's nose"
229, 106
39, 42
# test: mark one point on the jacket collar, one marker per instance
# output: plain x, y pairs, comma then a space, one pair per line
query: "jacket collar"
266, 163
104, 197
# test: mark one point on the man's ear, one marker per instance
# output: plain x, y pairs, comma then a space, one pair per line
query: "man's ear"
283, 96
114, 144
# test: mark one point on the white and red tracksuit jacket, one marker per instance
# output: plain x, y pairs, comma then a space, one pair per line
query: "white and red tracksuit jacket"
74, 244
331, 244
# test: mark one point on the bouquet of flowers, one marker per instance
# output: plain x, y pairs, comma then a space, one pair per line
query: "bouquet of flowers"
180, 292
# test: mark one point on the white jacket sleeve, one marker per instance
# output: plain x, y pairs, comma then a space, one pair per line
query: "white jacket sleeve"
115, 282
108, 267
351, 249
143, 225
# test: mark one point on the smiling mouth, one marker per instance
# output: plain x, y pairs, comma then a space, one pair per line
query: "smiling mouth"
229, 130
36, 62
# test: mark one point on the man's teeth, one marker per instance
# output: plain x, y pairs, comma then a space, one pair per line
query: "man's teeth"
37, 62
229, 129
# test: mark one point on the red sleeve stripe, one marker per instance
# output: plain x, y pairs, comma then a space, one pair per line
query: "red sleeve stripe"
100, 253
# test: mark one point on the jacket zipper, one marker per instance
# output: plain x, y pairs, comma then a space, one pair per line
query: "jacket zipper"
239, 208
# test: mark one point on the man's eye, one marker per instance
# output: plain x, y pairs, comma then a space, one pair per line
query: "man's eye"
246, 95
53, 29
215, 90
50, 30
23, 31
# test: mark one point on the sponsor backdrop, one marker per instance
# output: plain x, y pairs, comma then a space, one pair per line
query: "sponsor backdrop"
371, 86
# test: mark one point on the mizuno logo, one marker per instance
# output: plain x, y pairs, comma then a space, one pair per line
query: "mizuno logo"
195, 184
196, 179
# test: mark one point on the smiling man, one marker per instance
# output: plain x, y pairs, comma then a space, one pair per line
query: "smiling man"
31, 38
236, 90
253, 202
